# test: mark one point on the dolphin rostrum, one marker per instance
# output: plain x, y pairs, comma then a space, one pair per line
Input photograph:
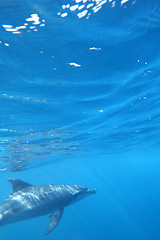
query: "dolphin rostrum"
28, 201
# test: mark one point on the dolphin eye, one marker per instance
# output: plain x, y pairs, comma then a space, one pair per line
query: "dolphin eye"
83, 190
77, 194
80, 192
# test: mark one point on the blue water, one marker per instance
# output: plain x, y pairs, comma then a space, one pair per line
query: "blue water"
80, 104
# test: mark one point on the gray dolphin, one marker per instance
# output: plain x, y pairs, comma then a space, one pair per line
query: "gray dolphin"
28, 201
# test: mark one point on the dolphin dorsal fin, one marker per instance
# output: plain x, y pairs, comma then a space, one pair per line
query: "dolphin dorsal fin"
18, 185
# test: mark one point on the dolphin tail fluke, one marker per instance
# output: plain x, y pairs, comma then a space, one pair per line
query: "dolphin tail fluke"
54, 219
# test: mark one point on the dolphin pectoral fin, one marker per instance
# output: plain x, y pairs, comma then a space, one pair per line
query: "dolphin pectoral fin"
54, 219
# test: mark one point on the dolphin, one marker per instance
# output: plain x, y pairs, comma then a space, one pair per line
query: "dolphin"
27, 201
